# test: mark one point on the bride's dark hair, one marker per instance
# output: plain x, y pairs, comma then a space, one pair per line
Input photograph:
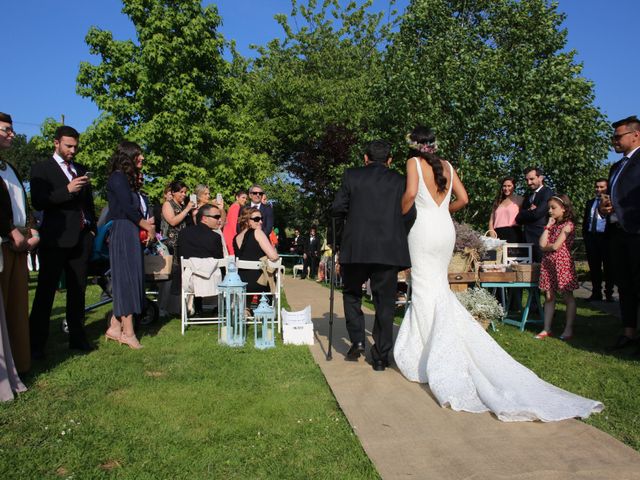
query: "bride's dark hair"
422, 143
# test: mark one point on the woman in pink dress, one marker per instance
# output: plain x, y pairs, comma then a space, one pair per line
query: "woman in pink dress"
229, 230
502, 223
558, 272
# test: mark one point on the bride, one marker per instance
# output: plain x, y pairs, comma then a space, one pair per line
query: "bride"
439, 342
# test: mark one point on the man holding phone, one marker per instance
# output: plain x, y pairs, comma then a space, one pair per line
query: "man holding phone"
60, 188
622, 206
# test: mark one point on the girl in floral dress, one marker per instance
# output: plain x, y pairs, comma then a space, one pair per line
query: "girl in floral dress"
558, 272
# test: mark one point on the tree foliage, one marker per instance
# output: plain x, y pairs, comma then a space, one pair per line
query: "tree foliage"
494, 80
168, 90
312, 91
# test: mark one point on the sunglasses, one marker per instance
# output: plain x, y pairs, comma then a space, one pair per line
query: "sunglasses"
256, 193
256, 219
217, 217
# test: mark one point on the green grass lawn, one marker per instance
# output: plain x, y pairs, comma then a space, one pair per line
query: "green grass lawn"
183, 407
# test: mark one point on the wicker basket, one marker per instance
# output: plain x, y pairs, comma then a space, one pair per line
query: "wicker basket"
528, 273
460, 263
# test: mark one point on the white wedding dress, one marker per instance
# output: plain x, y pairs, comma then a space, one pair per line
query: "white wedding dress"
441, 344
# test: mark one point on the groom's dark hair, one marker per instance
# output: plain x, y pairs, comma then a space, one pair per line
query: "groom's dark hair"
378, 151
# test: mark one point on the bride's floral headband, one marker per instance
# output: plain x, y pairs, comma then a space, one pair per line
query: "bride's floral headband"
422, 147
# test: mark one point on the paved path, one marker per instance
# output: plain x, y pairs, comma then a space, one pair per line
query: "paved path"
408, 435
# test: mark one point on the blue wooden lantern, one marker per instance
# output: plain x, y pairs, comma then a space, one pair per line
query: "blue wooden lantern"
265, 325
231, 308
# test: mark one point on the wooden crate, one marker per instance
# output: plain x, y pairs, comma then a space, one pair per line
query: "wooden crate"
497, 276
459, 282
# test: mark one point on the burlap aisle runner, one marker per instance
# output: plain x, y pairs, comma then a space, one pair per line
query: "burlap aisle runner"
408, 435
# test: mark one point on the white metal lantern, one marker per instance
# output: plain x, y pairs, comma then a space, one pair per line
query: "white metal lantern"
265, 325
231, 308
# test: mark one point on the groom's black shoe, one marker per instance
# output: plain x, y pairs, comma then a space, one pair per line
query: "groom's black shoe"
355, 351
379, 365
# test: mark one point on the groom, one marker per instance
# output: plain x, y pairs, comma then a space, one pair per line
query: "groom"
374, 246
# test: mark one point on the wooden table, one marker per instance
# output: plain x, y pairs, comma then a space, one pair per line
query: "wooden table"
534, 296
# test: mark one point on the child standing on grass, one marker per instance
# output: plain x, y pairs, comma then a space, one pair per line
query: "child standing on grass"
558, 271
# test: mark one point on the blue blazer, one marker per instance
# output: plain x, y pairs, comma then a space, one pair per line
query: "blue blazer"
626, 201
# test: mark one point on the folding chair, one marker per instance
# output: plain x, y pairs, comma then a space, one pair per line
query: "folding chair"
279, 274
186, 296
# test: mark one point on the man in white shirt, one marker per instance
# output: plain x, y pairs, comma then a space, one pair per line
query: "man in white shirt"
595, 241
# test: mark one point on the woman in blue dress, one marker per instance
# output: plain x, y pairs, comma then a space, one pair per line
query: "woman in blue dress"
128, 213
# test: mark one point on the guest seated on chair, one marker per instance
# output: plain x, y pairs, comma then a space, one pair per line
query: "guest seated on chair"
203, 241
252, 244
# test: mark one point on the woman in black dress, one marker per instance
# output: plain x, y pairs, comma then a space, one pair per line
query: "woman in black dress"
252, 244
125, 250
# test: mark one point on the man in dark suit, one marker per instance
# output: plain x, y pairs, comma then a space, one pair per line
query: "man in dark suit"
311, 254
622, 205
60, 188
256, 195
534, 213
595, 241
201, 240
373, 246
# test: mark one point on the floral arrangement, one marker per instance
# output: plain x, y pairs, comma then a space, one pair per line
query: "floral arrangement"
482, 305
467, 239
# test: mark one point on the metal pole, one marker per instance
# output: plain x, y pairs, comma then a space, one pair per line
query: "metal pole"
332, 279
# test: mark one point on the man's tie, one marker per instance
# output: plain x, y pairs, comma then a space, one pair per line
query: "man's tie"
616, 175
70, 170
594, 218
532, 197
75, 175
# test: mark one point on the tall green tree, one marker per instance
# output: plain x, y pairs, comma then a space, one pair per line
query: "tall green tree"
167, 90
495, 81
312, 92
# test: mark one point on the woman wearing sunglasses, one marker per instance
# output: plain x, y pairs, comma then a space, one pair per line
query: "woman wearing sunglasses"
252, 244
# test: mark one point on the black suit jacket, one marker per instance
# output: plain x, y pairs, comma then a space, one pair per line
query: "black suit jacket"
534, 221
199, 241
311, 248
369, 200
62, 211
6, 209
626, 200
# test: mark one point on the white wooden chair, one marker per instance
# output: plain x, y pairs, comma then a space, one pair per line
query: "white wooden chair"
186, 298
277, 295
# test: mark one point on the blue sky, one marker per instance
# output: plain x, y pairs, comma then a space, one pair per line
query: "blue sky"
43, 44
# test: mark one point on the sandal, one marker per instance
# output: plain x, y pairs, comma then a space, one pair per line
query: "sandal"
543, 334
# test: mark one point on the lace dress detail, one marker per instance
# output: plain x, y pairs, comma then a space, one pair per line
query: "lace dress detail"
441, 344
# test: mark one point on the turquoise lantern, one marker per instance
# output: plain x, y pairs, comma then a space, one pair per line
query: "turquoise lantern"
231, 308
264, 325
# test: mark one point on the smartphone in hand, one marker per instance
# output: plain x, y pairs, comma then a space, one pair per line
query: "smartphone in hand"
193, 199
218, 198
88, 174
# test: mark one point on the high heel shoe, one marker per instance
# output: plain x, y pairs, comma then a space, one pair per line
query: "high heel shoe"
109, 335
130, 341
565, 338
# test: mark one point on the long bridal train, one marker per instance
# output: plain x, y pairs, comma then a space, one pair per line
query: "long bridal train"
441, 344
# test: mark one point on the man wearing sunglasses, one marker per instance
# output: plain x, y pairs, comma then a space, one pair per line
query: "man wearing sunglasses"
374, 247
621, 204
256, 197
202, 240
